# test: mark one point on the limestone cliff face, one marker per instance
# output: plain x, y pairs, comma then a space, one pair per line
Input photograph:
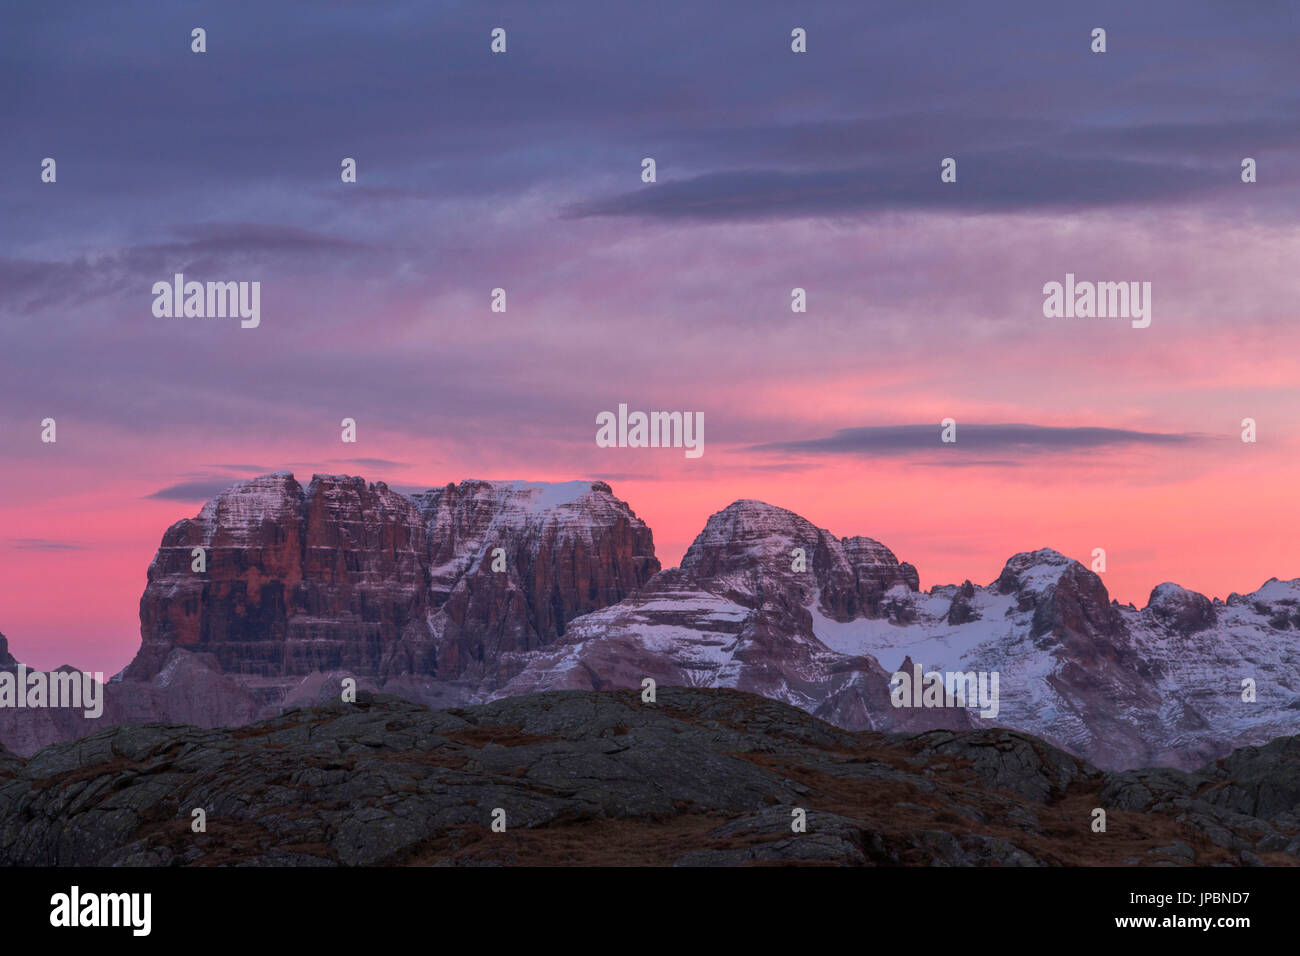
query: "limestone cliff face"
346, 575
566, 549
296, 579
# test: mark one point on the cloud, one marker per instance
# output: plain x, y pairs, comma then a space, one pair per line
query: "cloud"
991, 181
882, 440
365, 195
258, 238
989, 463
44, 544
200, 489
369, 462
201, 251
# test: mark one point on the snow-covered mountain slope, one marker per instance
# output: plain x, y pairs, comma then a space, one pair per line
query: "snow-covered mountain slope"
1121, 686
739, 613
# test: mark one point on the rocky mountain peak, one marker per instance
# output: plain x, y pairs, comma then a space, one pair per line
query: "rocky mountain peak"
747, 535
756, 553
1179, 609
1032, 572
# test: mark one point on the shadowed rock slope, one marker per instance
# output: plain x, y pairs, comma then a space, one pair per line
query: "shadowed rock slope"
703, 776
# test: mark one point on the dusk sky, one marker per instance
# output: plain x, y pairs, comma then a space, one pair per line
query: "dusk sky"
775, 170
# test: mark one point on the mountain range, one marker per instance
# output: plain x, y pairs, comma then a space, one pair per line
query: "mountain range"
485, 590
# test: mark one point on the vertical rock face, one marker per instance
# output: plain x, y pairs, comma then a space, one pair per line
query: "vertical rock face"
296, 579
567, 549
875, 571
363, 585
251, 536
345, 575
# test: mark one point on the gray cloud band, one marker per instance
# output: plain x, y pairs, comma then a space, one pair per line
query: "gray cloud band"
907, 439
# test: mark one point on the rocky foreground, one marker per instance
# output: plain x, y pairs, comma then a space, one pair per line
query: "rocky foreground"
700, 777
